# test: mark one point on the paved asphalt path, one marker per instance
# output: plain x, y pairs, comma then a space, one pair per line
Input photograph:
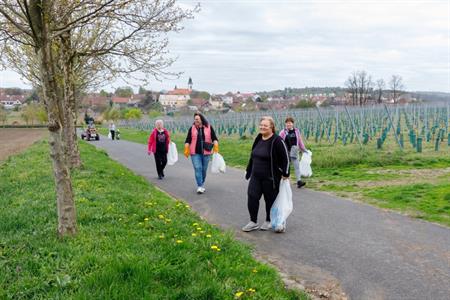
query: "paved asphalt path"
331, 243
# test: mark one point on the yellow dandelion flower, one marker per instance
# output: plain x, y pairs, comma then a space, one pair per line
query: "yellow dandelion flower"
168, 220
194, 234
214, 247
187, 206
140, 223
218, 249
238, 294
255, 271
195, 224
145, 219
208, 235
161, 216
251, 290
199, 228
179, 241
161, 236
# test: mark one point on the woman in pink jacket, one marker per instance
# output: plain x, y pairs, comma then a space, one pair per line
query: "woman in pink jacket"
158, 144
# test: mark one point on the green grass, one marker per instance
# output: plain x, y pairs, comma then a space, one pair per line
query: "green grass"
134, 241
365, 174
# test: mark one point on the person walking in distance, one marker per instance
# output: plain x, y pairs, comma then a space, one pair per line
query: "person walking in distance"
294, 143
267, 166
158, 144
200, 142
112, 130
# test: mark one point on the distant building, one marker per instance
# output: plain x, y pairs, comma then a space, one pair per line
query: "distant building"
175, 98
11, 101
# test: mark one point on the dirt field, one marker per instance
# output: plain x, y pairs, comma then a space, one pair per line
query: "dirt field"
15, 140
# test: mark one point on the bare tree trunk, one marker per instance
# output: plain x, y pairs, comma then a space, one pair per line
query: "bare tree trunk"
69, 128
64, 194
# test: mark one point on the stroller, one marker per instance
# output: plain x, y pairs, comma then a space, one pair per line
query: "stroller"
117, 134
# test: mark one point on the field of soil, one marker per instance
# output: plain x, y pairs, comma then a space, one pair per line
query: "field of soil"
15, 140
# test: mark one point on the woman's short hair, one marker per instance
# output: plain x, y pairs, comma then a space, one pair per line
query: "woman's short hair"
271, 121
202, 117
289, 119
159, 121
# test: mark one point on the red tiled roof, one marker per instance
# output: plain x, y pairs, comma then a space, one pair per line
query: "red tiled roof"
120, 100
180, 92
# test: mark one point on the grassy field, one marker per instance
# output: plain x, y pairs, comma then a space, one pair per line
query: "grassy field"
413, 183
134, 241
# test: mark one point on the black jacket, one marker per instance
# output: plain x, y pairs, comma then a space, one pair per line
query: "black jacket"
279, 159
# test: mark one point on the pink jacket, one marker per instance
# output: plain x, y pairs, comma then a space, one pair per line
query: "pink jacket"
194, 134
152, 140
300, 144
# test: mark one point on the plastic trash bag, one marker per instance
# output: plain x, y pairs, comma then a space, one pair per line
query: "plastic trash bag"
282, 207
109, 135
218, 164
305, 164
172, 155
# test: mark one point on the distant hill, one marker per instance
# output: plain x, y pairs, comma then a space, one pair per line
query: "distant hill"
431, 96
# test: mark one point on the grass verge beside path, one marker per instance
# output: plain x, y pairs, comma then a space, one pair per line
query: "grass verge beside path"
134, 241
409, 182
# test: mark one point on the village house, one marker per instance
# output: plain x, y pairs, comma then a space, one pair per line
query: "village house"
176, 98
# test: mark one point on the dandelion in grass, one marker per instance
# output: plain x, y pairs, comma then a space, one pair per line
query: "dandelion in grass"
140, 223
195, 224
208, 236
255, 271
199, 228
238, 294
161, 216
251, 290
194, 234
187, 206
146, 219
179, 241
168, 220
215, 247
161, 236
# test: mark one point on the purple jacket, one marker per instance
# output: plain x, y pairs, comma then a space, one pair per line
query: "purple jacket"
300, 144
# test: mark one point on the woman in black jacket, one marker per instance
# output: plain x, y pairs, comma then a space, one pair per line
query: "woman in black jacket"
268, 164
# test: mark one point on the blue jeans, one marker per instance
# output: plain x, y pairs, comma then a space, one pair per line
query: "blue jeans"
200, 163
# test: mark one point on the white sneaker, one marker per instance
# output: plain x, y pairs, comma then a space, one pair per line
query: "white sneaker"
203, 189
266, 225
250, 227
200, 190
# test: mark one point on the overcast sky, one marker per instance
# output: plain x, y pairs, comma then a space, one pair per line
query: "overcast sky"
256, 45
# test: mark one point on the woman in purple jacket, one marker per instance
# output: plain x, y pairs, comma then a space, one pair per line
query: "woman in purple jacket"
294, 143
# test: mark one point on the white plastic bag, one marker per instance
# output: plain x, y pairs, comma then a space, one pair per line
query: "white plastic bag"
172, 155
109, 135
282, 207
218, 164
305, 164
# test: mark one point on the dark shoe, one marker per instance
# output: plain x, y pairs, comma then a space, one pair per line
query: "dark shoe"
160, 177
300, 183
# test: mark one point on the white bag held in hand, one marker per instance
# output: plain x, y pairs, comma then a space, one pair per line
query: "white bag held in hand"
172, 155
305, 164
109, 135
282, 207
218, 164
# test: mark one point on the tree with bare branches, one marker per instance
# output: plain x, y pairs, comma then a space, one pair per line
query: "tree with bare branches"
380, 88
67, 42
396, 86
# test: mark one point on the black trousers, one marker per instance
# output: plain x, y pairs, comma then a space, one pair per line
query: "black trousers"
256, 188
113, 134
161, 162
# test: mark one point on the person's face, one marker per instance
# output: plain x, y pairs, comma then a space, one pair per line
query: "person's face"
159, 125
197, 121
264, 127
289, 125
